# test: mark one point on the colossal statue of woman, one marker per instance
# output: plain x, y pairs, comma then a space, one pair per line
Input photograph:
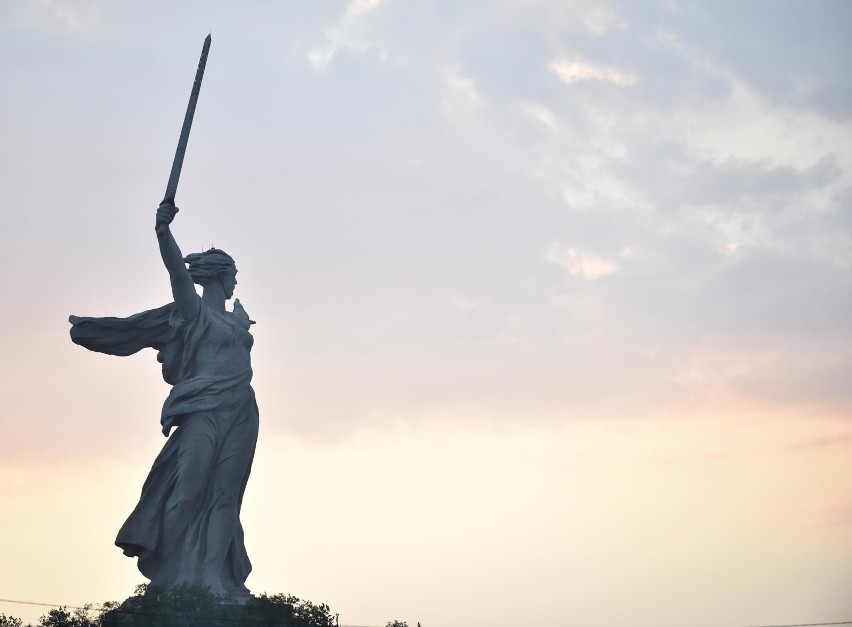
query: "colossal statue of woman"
186, 527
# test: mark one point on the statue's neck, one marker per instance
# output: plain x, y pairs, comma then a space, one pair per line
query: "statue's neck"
214, 296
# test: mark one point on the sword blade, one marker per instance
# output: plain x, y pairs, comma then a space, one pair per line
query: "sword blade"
177, 164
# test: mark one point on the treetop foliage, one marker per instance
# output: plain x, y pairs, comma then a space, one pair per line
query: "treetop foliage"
188, 606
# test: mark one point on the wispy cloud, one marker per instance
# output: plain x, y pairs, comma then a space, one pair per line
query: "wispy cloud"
732, 248
540, 114
601, 19
348, 33
574, 70
462, 304
358, 7
461, 94
841, 439
581, 263
82, 18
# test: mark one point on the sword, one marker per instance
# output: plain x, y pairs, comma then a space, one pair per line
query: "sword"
174, 177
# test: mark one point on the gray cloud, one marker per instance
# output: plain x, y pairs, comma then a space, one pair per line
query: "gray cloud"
392, 212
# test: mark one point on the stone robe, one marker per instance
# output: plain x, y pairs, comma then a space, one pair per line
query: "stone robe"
186, 527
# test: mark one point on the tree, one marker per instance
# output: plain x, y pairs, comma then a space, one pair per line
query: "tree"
61, 617
195, 606
189, 606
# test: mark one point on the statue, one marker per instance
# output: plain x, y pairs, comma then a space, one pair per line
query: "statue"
186, 527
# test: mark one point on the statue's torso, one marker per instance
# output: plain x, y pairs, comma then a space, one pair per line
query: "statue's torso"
225, 350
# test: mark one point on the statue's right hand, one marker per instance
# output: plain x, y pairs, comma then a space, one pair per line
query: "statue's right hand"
165, 215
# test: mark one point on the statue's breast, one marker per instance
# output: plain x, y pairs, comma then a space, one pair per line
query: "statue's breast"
244, 337
226, 331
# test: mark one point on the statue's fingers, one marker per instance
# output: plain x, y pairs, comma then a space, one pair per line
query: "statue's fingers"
165, 215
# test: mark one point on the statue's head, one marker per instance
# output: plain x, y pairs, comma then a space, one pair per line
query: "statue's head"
213, 266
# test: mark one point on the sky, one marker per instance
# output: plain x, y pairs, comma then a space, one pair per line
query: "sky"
552, 299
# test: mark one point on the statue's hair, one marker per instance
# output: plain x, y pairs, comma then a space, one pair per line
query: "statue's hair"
210, 266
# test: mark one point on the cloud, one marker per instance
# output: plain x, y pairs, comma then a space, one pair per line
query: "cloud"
350, 33
742, 204
601, 19
729, 203
574, 70
744, 120
461, 85
791, 57
461, 93
359, 7
461, 304
81, 18
798, 374
731, 206
580, 263
828, 441
540, 114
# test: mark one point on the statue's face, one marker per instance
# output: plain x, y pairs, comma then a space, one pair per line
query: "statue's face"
230, 282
